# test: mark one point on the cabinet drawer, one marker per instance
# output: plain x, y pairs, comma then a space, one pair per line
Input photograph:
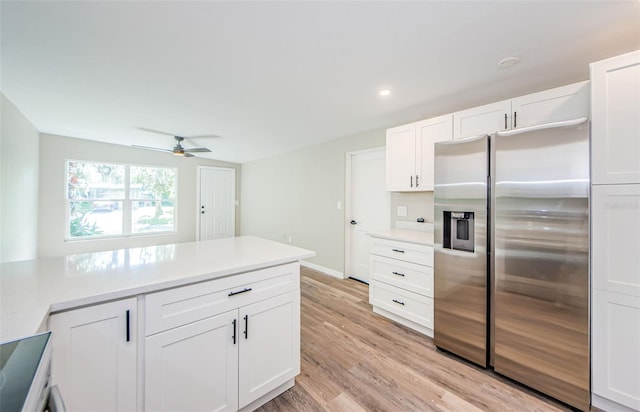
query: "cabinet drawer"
405, 275
410, 252
176, 307
411, 306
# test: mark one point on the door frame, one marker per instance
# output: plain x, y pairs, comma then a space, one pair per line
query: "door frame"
198, 194
347, 204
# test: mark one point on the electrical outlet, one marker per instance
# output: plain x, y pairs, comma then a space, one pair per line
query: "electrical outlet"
289, 239
402, 211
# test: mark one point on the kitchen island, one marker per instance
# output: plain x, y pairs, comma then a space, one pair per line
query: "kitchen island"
131, 315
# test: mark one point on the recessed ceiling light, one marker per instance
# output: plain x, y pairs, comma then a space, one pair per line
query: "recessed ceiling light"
384, 92
508, 62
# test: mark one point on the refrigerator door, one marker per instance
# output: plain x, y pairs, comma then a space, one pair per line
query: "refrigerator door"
460, 244
541, 259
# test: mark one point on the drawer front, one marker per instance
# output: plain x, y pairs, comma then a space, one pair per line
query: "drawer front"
176, 307
411, 306
405, 275
410, 252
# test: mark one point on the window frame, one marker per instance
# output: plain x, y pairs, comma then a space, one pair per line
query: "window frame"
126, 201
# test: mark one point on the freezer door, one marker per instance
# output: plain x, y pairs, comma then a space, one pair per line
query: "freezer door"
541, 262
460, 268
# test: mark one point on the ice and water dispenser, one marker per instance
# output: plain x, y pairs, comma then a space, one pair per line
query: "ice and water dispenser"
458, 233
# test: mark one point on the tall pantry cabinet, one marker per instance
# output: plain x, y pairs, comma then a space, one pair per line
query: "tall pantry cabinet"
615, 235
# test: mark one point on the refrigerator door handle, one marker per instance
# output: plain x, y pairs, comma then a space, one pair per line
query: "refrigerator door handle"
564, 123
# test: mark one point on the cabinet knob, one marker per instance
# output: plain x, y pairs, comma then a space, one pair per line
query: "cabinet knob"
353, 222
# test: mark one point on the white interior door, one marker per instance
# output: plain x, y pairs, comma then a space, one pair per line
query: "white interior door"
369, 204
217, 207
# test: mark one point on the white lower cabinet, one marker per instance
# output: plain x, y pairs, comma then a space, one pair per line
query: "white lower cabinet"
269, 343
225, 344
193, 367
401, 285
224, 362
616, 349
95, 356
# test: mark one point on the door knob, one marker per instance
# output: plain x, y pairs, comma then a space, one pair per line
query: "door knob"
353, 222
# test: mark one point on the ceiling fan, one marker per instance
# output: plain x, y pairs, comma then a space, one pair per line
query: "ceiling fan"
178, 149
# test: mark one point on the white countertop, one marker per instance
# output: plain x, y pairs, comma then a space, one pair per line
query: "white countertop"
413, 236
31, 290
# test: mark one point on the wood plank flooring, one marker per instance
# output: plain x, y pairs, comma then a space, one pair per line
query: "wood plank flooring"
355, 360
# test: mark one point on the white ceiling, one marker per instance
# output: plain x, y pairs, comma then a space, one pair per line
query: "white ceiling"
270, 77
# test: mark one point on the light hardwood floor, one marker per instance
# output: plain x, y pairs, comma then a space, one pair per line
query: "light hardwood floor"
355, 360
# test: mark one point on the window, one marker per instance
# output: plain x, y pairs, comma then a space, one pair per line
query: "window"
106, 199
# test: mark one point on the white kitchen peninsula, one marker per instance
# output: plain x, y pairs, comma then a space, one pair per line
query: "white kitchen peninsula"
133, 306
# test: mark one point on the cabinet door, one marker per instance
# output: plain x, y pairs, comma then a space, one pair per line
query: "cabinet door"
485, 119
401, 158
615, 225
93, 362
554, 105
194, 367
428, 133
615, 342
615, 123
269, 345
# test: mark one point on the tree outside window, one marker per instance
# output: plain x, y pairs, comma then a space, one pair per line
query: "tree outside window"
119, 200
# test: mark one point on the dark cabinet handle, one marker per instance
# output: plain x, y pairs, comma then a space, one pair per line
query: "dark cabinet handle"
398, 302
246, 326
398, 250
240, 291
398, 273
234, 331
505, 121
417, 184
411, 181
128, 320
515, 119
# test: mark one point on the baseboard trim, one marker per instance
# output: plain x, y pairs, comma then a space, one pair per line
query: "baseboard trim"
322, 269
605, 404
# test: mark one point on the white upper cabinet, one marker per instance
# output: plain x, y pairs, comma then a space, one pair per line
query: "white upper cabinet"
410, 153
401, 157
615, 117
428, 133
482, 120
553, 105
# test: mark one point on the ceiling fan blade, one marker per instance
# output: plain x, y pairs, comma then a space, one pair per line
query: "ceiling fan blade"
144, 129
151, 148
197, 150
204, 136
187, 154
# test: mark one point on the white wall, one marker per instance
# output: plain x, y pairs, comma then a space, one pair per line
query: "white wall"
296, 194
55, 150
19, 184
418, 204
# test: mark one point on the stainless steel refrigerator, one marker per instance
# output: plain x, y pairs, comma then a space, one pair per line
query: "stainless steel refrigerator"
512, 255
